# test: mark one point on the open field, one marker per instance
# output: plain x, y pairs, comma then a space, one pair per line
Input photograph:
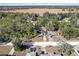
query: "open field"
41, 11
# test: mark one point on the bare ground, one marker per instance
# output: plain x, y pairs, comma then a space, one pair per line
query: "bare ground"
40, 11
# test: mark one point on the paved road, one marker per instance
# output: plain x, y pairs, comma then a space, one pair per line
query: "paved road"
53, 43
46, 43
49, 43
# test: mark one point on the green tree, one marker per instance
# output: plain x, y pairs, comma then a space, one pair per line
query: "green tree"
66, 48
53, 25
17, 44
68, 31
34, 17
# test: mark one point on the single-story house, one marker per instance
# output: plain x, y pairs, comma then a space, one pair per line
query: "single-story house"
21, 53
65, 20
54, 51
6, 50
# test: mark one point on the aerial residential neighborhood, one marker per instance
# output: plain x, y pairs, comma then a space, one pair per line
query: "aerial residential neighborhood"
39, 31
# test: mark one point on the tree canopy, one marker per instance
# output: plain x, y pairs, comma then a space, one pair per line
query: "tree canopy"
21, 25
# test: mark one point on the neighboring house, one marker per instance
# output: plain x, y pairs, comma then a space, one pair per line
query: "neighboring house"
21, 53
53, 33
65, 20
54, 51
54, 36
6, 50
51, 36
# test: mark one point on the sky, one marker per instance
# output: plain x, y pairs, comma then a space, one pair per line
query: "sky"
31, 4
38, 2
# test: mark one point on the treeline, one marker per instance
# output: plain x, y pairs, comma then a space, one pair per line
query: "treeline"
31, 7
24, 25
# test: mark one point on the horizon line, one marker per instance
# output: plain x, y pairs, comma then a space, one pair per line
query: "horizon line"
39, 4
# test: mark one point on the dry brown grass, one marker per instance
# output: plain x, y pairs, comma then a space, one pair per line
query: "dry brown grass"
39, 11
38, 39
58, 38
